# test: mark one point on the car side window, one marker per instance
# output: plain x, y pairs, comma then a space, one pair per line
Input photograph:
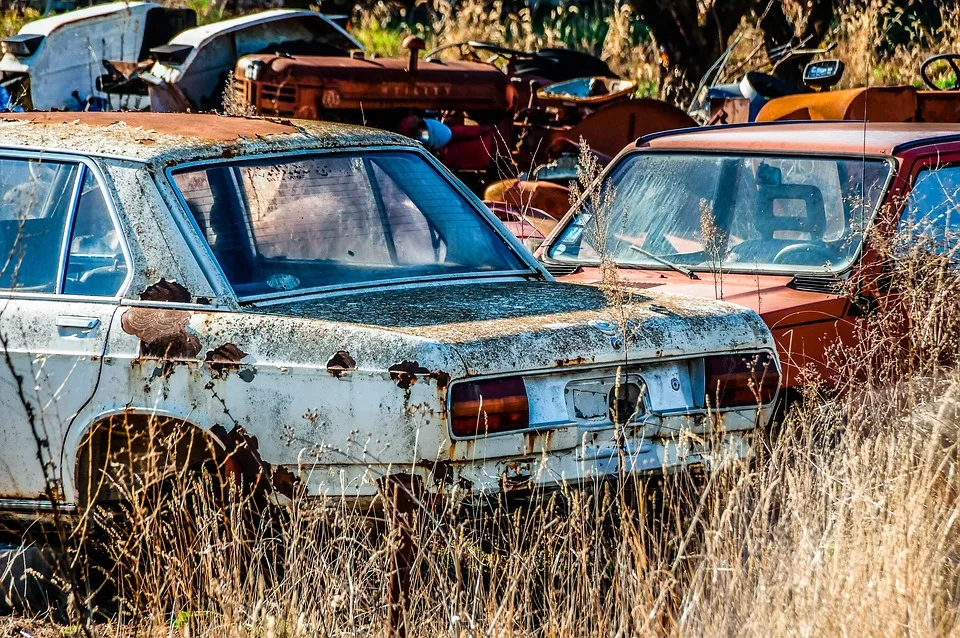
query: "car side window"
35, 200
931, 217
95, 264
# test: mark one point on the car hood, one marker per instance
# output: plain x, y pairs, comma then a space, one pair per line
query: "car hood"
520, 326
781, 303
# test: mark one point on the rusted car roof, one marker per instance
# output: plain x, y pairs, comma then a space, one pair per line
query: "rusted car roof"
828, 137
169, 137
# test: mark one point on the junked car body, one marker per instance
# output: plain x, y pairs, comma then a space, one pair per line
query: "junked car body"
331, 302
191, 70
56, 62
772, 216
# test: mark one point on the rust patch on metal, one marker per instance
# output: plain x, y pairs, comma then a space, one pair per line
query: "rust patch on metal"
284, 481
531, 439
341, 362
165, 290
578, 361
163, 333
404, 374
243, 453
227, 353
208, 127
516, 475
229, 357
441, 472
441, 377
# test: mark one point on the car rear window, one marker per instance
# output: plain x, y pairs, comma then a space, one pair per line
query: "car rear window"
300, 223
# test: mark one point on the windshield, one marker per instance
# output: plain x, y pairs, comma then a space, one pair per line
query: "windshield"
727, 212
293, 224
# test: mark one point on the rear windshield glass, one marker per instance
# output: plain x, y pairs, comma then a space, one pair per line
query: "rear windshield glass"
730, 212
294, 224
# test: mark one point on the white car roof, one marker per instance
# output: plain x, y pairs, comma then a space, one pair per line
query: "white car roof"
198, 36
45, 26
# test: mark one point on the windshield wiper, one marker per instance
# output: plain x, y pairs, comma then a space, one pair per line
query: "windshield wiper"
669, 264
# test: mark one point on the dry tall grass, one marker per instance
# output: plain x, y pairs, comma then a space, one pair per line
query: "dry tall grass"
611, 37
863, 39
845, 523
863, 35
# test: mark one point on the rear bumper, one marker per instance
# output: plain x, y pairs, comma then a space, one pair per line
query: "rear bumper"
479, 480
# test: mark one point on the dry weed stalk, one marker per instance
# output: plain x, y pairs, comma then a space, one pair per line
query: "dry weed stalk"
846, 523
714, 245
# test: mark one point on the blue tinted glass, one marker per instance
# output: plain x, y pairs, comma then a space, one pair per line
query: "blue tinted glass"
35, 198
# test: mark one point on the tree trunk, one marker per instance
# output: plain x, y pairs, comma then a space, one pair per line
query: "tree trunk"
687, 46
779, 31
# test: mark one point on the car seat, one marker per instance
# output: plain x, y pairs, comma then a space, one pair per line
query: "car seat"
779, 227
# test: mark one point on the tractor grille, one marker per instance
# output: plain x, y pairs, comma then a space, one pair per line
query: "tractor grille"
278, 94
277, 100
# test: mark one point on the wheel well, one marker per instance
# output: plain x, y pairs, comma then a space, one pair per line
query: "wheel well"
122, 454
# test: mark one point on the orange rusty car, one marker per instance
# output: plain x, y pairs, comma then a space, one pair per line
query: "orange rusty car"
771, 216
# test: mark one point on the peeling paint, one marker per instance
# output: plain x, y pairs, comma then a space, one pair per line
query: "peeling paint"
441, 472
441, 377
242, 451
163, 333
229, 357
225, 354
404, 374
165, 290
517, 474
340, 363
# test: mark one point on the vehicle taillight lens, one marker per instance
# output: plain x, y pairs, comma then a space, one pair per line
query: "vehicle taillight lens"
741, 380
482, 407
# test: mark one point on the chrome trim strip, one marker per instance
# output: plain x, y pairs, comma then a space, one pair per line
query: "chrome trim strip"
382, 283
13, 148
38, 505
68, 230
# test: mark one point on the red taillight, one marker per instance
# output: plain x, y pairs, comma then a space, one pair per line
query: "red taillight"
741, 380
482, 407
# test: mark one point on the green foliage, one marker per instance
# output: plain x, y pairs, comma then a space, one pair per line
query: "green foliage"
12, 21
380, 40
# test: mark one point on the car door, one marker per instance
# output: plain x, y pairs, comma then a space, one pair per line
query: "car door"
62, 268
931, 211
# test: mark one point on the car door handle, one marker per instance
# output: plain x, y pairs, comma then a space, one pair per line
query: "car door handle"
78, 323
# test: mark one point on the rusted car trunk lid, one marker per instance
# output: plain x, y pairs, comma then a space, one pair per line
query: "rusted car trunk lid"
537, 325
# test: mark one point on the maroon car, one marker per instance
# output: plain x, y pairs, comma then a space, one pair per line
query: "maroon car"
791, 207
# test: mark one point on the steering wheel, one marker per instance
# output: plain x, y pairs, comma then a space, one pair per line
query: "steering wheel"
474, 46
950, 58
820, 253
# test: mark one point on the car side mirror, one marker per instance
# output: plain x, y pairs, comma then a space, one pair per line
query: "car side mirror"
823, 74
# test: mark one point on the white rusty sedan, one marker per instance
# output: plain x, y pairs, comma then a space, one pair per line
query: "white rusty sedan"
322, 308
